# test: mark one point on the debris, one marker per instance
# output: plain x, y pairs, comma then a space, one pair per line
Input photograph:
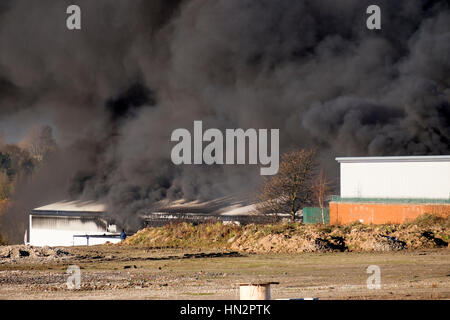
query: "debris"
335, 244
30, 252
395, 243
430, 236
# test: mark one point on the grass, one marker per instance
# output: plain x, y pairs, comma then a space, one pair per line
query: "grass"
428, 220
185, 235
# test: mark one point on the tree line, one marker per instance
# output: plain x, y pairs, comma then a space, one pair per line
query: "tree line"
18, 161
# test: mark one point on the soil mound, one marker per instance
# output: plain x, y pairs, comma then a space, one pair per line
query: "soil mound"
427, 231
23, 251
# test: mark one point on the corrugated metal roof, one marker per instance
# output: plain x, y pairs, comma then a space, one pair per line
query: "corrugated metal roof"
228, 206
73, 206
395, 159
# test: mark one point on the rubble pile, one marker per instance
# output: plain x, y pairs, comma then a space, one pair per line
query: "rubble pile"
27, 252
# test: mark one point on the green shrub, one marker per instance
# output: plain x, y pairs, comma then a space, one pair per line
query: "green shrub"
428, 220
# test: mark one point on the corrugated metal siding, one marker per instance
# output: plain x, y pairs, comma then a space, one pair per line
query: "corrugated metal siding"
314, 215
68, 223
59, 231
422, 179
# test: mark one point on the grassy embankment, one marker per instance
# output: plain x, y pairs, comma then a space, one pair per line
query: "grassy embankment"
427, 231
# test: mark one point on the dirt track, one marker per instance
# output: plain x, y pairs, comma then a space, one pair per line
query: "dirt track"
115, 272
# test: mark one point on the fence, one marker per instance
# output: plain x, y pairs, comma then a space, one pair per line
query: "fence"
161, 219
314, 215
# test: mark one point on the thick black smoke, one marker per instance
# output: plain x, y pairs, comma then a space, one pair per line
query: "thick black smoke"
115, 90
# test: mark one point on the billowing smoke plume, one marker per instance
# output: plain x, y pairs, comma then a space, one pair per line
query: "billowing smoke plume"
114, 91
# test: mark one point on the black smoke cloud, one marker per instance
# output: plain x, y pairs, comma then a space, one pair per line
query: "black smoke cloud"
115, 90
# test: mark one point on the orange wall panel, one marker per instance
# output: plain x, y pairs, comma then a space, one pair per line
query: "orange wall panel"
381, 213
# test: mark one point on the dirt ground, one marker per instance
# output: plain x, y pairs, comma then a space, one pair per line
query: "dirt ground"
121, 272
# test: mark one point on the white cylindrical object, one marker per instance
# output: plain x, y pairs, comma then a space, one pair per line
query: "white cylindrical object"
254, 291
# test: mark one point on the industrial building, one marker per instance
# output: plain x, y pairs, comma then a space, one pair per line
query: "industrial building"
71, 223
391, 189
372, 190
227, 210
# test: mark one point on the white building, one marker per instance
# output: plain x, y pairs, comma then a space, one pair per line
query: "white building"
391, 189
415, 177
71, 223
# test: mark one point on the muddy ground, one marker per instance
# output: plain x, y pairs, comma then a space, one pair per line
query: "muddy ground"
121, 272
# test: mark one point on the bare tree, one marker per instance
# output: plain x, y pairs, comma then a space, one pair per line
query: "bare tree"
321, 189
5, 185
292, 187
39, 141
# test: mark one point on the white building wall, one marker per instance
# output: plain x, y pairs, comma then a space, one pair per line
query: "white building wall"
59, 231
390, 178
64, 238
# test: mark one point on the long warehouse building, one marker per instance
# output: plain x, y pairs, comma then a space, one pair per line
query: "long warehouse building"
69, 223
